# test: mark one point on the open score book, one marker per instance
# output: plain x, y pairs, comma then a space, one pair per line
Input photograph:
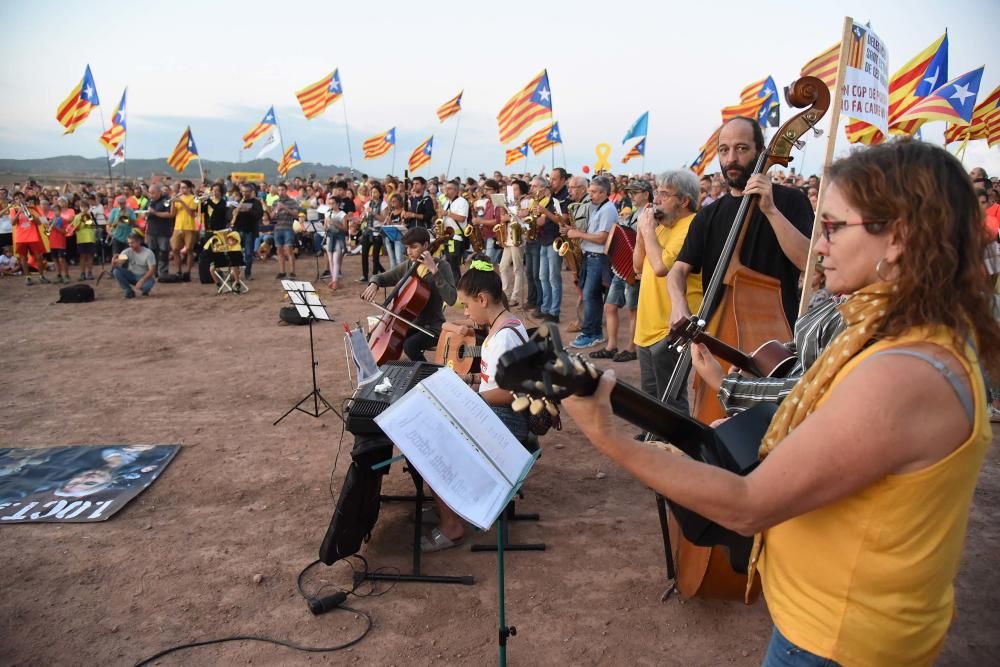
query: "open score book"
459, 446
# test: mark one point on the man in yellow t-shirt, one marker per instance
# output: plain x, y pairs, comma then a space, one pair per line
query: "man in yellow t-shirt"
182, 241
657, 245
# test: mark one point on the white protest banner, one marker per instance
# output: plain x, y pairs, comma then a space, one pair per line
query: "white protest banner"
865, 85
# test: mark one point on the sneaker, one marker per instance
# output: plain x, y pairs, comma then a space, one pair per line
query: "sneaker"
583, 341
145, 293
29, 281
363, 279
185, 277
130, 294
280, 276
45, 280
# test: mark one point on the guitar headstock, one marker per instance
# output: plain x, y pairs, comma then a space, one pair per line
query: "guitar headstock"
689, 331
543, 369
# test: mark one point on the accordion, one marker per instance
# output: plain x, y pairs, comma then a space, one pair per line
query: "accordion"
619, 246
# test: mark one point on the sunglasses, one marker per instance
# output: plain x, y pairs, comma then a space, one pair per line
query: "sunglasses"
830, 226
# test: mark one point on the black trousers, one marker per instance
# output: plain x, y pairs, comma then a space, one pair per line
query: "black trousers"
416, 343
373, 242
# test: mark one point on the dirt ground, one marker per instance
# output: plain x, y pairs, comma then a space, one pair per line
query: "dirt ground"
245, 498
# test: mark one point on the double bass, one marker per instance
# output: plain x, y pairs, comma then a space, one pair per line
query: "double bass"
404, 304
743, 309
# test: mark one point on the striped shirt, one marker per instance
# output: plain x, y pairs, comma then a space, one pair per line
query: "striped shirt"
814, 331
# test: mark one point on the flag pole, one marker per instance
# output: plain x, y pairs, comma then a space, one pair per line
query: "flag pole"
393, 172
281, 142
107, 155
347, 130
458, 121
831, 144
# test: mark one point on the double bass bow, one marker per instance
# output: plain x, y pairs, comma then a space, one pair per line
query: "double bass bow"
744, 310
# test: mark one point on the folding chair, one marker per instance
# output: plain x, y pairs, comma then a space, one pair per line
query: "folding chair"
227, 254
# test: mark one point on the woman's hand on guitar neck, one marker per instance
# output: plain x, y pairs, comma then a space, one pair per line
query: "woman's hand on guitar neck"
706, 366
593, 413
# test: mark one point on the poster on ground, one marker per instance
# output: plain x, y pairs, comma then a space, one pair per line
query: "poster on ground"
76, 484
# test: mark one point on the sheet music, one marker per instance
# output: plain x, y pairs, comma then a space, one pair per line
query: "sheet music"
458, 445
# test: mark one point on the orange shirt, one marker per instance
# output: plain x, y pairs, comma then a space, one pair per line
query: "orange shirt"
25, 229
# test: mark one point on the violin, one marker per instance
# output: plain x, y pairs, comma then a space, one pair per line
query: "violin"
404, 304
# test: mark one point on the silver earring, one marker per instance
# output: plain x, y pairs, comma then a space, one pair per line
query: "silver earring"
878, 270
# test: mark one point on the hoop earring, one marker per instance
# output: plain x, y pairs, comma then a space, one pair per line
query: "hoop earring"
878, 270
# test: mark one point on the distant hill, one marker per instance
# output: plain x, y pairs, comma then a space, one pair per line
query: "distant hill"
75, 167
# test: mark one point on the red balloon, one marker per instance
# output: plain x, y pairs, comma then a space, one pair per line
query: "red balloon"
586, 168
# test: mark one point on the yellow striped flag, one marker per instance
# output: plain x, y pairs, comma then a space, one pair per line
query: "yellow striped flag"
422, 154
515, 154
637, 151
923, 74
290, 159
450, 108
706, 153
955, 101
856, 48
78, 104
184, 152
379, 145
976, 129
824, 66
992, 121
750, 109
531, 103
545, 138
115, 134
266, 124
316, 97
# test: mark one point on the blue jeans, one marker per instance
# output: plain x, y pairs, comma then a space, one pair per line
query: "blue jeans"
249, 242
548, 273
783, 653
493, 251
592, 293
126, 279
531, 261
284, 237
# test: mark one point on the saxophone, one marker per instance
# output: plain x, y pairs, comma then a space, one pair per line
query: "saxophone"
532, 232
472, 230
567, 248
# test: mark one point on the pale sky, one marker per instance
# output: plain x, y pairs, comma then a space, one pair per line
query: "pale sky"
219, 66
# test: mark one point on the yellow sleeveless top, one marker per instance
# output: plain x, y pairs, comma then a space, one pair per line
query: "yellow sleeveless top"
867, 580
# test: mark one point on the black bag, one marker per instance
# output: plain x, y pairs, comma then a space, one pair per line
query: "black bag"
205, 268
76, 294
290, 315
169, 278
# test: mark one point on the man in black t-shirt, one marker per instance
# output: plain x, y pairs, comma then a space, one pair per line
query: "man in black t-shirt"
777, 237
422, 211
159, 228
247, 217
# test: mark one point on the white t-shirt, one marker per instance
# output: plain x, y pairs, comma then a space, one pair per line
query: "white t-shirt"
494, 346
6, 226
461, 206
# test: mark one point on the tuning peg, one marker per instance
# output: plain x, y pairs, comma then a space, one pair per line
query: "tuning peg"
552, 408
800, 144
537, 405
543, 331
540, 387
594, 374
559, 366
578, 364
520, 403
817, 132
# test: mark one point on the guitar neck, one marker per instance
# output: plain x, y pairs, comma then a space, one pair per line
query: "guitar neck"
728, 353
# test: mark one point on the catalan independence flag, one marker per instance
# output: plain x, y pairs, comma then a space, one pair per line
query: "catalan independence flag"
450, 108
952, 102
379, 145
856, 47
992, 121
824, 66
316, 97
707, 153
184, 152
515, 154
976, 129
637, 151
266, 124
422, 154
545, 138
290, 159
531, 103
78, 104
115, 134
924, 73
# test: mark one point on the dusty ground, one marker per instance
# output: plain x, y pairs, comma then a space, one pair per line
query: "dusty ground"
244, 498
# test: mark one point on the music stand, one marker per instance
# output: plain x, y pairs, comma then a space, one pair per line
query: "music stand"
305, 299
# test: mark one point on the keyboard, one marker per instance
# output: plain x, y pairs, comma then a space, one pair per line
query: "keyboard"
366, 403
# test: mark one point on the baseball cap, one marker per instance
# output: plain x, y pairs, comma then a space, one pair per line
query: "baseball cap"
637, 184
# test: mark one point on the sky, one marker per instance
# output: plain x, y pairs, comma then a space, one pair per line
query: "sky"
219, 66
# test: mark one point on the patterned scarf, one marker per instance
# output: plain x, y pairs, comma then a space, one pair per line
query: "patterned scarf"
863, 313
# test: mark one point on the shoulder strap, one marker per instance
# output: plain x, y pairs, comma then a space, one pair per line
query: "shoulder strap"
512, 325
963, 394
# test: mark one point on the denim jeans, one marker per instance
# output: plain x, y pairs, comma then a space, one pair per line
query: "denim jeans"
160, 245
493, 251
550, 265
249, 242
592, 293
783, 653
126, 279
532, 253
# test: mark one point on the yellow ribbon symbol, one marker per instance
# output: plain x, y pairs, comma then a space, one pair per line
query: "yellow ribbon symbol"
603, 153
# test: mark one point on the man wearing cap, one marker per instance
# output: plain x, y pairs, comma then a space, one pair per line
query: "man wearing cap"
621, 294
135, 265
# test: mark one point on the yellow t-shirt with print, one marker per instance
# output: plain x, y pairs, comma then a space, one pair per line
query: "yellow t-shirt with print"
184, 222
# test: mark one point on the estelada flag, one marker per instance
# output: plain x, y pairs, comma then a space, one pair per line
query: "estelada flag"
450, 108
707, 152
422, 154
290, 159
824, 66
78, 104
516, 154
637, 151
531, 103
379, 145
266, 124
116, 133
316, 97
184, 152
976, 129
952, 102
545, 138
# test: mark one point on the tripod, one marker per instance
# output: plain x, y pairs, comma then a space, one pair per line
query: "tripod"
315, 394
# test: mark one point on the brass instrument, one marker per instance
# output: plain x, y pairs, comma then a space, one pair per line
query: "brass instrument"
439, 228
516, 232
500, 230
567, 248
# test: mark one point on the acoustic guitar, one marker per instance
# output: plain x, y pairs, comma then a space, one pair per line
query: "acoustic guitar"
459, 353
771, 359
